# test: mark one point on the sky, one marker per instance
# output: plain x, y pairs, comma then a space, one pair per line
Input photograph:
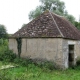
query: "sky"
14, 13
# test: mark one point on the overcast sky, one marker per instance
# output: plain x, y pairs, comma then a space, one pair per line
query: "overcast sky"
14, 13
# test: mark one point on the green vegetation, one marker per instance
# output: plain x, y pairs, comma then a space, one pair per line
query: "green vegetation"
55, 6
5, 53
19, 45
77, 24
34, 72
29, 70
3, 32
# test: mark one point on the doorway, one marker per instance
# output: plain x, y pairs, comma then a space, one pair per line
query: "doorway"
71, 56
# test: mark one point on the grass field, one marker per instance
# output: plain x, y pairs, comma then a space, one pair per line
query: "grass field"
32, 72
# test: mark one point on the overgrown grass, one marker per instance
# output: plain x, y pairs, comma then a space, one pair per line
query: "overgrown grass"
34, 72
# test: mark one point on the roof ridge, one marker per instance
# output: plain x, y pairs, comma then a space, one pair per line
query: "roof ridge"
57, 15
56, 24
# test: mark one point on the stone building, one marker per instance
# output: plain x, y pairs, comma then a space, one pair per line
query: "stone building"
49, 37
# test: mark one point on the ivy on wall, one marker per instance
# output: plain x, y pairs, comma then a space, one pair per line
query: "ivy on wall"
19, 45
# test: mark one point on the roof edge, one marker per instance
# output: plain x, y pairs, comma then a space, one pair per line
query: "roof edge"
43, 37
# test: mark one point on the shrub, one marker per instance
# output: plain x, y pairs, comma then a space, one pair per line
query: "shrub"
23, 62
78, 62
7, 55
1, 41
49, 65
46, 65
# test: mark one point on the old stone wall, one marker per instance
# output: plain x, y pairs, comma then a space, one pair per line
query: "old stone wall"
40, 48
13, 45
77, 50
65, 51
51, 49
43, 48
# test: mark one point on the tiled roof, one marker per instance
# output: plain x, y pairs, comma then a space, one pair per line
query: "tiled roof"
49, 24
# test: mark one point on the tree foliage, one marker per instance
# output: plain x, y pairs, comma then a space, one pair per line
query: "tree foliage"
55, 6
23, 25
77, 24
3, 32
70, 18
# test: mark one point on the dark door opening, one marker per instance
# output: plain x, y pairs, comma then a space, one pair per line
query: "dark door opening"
71, 56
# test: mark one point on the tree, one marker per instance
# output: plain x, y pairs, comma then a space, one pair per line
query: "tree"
77, 24
55, 6
35, 13
24, 25
3, 32
70, 18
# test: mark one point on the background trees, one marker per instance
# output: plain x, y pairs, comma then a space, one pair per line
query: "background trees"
3, 39
3, 32
77, 24
55, 6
